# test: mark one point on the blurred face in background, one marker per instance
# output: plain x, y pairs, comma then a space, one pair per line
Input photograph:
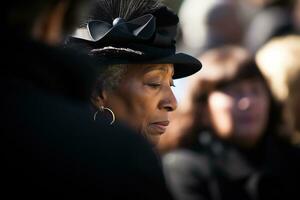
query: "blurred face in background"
239, 111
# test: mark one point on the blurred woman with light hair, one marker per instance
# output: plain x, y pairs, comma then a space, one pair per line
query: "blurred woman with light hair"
279, 62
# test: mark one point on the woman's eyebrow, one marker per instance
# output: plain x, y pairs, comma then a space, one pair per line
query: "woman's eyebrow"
161, 68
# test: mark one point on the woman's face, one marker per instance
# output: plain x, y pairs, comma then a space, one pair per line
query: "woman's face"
240, 111
144, 99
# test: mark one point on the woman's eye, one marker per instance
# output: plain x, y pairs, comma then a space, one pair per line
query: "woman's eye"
154, 85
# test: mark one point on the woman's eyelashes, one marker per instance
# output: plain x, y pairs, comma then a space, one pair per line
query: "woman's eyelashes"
159, 84
154, 85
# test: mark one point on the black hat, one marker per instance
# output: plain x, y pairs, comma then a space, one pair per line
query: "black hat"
147, 39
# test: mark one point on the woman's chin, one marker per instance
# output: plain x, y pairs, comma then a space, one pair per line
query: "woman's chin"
153, 139
153, 134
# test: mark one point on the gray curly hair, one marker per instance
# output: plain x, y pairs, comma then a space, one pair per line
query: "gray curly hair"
110, 78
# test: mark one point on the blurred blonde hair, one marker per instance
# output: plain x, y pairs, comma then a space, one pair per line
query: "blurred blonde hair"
279, 61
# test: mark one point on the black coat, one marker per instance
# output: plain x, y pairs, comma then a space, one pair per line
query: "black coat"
50, 147
282, 177
212, 169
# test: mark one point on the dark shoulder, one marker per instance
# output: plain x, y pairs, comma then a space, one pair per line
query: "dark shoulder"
52, 140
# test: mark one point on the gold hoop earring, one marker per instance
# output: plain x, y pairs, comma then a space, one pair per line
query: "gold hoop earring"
102, 109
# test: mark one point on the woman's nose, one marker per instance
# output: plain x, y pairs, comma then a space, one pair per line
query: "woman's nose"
169, 102
244, 103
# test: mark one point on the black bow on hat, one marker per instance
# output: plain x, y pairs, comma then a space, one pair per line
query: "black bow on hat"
140, 29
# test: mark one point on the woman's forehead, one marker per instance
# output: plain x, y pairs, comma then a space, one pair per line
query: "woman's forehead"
145, 68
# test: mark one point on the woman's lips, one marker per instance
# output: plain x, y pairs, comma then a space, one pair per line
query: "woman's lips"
247, 119
160, 127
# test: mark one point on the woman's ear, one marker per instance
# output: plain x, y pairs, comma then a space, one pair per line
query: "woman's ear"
99, 99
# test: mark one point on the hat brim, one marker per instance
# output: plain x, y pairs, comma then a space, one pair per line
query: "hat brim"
131, 53
184, 65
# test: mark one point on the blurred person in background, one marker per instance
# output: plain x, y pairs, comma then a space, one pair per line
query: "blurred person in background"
137, 40
224, 26
279, 62
192, 15
273, 18
48, 146
208, 24
233, 119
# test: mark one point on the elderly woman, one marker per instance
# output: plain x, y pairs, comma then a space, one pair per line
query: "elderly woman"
136, 39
